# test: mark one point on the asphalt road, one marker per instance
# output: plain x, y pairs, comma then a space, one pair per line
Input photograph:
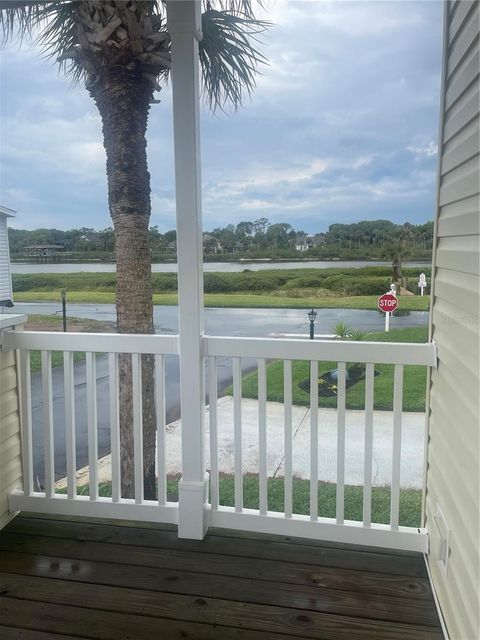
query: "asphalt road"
172, 394
243, 322
232, 322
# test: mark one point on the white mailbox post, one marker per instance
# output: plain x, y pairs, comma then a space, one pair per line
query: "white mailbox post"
422, 283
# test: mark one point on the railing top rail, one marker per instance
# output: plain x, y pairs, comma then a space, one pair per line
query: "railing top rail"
323, 350
96, 342
287, 349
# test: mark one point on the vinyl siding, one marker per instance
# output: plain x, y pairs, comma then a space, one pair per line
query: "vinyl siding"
5, 277
10, 456
453, 472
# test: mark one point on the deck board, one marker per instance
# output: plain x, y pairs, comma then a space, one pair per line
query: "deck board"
71, 576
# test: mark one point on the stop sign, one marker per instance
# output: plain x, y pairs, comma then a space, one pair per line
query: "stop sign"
387, 302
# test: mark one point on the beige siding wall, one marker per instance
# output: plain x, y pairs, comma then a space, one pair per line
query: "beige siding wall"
10, 458
453, 452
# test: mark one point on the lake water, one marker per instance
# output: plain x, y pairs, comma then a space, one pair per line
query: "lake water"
171, 267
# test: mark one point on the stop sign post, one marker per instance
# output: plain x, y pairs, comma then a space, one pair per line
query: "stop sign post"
387, 303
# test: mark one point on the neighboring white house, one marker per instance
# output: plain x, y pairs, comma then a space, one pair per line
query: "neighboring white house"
6, 295
304, 243
302, 246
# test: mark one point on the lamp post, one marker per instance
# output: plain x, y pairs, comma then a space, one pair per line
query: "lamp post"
311, 316
64, 309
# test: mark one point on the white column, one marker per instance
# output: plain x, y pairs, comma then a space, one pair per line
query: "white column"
184, 24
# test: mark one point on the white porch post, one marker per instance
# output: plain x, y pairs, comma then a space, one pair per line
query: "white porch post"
184, 24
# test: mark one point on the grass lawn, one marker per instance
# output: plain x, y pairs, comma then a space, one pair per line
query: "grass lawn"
54, 323
236, 300
410, 499
57, 359
414, 387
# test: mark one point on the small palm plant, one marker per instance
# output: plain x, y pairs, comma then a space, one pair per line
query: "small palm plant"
341, 330
358, 335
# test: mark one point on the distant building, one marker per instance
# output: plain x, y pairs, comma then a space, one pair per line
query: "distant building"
6, 293
44, 250
301, 246
211, 244
304, 243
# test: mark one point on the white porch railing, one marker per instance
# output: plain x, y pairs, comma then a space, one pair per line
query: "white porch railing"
52, 501
213, 348
313, 526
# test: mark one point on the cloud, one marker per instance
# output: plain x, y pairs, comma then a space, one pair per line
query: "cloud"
428, 150
342, 126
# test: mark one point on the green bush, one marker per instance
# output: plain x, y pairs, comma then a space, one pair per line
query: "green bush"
367, 286
79, 281
257, 281
353, 286
162, 282
306, 282
215, 283
336, 283
244, 281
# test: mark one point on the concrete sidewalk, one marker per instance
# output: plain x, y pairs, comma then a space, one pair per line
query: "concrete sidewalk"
413, 434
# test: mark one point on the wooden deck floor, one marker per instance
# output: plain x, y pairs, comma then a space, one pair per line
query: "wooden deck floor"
63, 578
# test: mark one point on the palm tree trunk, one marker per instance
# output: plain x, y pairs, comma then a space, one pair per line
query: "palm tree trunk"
123, 99
397, 271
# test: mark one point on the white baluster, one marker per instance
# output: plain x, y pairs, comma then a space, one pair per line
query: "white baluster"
161, 433
212, 409
313, 440
70, 441
113, 387
397, 445
48, 446
26, 399
137, 426
237, 429
368, 450
91, 374
288, 436
341, 442
262, 437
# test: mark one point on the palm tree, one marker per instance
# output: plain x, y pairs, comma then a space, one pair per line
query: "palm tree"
397, 252
120, 50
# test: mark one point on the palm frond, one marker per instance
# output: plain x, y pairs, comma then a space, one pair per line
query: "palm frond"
228, 57
237, 7
51, 24
21, 19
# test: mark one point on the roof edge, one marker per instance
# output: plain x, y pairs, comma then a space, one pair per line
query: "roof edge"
10, 213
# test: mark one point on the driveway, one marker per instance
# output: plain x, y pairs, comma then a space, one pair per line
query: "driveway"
413, 430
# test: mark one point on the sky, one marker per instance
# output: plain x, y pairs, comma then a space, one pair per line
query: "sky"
342, 127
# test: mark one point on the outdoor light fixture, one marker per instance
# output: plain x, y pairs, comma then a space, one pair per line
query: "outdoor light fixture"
311, 316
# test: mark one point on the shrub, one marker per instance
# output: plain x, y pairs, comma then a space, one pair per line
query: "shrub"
306, 282
361, 286
367, 286
80, 281
336, 283
164, 282
257, 281
215, 283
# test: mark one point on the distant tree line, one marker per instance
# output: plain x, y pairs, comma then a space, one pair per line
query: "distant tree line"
259, 238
